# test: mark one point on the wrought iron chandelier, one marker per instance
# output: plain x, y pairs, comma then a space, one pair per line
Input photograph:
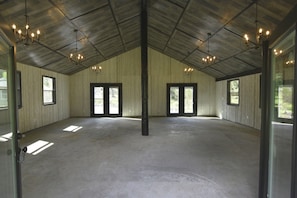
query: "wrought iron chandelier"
25, 36
96, 68
261, 34
75, 56
188, 70
209, 58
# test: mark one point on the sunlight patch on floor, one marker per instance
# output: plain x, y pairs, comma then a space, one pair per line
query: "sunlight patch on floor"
72, 128
38, 146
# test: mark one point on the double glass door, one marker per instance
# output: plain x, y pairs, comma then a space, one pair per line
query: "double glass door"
182, 99
106, 99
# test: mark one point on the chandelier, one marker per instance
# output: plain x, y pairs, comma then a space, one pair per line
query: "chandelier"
75, 56
188, 70
208, 59
96, 68
25, 36
261, 34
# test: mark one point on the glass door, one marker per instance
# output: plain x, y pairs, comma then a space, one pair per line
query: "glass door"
281, 118
174, 100
181, 99
8, 165
106, 99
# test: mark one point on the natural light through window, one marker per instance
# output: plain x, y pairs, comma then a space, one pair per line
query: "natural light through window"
38, 147
72, 128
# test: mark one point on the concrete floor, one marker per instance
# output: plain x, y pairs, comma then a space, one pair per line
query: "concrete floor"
108, 157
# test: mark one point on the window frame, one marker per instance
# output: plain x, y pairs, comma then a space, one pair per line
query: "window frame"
53, 91
229, 92
5, 91
106, 103
19, 89
181, 87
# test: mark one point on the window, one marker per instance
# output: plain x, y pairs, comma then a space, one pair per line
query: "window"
49, 90
233, 92
3, 89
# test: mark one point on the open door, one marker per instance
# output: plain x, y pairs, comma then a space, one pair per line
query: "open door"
9, 166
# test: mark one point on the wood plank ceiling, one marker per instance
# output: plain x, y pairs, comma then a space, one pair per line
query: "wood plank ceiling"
177, 28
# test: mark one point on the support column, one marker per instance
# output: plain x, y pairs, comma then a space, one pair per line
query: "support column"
144, 70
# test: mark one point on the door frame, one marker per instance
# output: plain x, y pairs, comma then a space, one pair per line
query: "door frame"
286, 27
106, 87
181, 99
8, 37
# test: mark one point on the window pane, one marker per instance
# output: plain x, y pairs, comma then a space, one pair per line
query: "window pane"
174, 99
98, 100
285, 103
234, 92
188, 100
3, 89
48, 97
48, 90
48, 83
114, 100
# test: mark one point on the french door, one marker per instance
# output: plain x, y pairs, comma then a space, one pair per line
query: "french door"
181, 99
106, 99
10, 181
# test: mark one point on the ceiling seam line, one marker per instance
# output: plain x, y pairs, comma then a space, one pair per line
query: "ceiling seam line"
229, 21
116, 23
70, 21
172, 33
232, 56
249, 64
238, 35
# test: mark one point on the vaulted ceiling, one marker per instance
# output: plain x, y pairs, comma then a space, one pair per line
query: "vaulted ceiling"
177, 28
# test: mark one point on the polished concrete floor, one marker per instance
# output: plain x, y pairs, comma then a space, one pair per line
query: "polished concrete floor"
108, 157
